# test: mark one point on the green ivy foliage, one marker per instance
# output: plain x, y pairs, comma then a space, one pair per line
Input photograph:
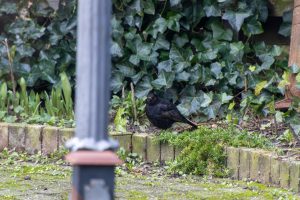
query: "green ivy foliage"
41, 41
200, 53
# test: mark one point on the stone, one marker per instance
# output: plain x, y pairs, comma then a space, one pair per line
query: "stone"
254, 165
139, 145
177, 151
49, 140
167, 152
275, 171
233, 161
153, 149
33, 142
124, 139
16, 136
264, 166
64, 135
295, 176
244, 163
285, 174
3, 136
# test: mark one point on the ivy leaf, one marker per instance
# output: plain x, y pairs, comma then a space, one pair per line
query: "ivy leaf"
8, 8
176, 55
220, 33
237, 50
212, 11
165, 65
25, 50
173, 22
134, 59
205, 100
136, 6
216, 70
225, 98
116, 50
235, 19
160, 26
179, 67
181, 40
295, 68
252, 27
276, 50
144, 50
149, 7
116, 82
267, 60
164, 79
126, 71
174, 2
183, 76
143, 88
161, 43
285, 27
259, 87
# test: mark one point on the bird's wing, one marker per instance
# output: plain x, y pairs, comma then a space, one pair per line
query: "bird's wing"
170, 111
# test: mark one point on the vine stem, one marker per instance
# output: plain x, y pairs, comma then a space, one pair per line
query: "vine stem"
133, 102
11, 68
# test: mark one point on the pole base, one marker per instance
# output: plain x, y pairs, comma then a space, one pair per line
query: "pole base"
93, 174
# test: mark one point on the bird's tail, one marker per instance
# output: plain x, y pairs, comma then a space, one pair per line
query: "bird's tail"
193, 124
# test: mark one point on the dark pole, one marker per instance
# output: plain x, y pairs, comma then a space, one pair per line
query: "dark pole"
92, 159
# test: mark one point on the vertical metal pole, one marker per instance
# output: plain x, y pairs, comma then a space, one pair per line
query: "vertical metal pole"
93, 68
93, 162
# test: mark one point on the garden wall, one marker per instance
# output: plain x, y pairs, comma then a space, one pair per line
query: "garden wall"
244, 163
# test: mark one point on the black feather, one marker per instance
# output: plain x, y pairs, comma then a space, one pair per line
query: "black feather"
162, 113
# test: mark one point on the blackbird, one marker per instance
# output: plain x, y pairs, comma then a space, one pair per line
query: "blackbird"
162, 113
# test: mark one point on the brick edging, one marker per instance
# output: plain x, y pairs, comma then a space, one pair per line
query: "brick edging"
244, 163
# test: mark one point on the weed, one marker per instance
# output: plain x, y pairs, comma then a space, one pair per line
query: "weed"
203, 149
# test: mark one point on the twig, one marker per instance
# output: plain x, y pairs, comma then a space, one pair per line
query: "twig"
10, 61
294, 134
133, 102
276, 125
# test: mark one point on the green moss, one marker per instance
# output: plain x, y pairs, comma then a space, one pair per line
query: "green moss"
7, 197
204, 149
137, 195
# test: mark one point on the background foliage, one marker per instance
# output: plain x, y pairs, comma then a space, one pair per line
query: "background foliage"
201, 54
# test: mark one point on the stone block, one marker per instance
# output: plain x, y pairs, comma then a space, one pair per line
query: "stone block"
16, 136
3, 136
33, 142
254, 165
125, 140
49, 140
167, 152
153, 149
264, 166
177, 151
295, 176
139, 145
244, 163
275, 171
64, 135
233, 161
285, 174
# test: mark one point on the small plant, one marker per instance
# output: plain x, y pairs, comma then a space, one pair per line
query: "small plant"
203, 149
128, 110
54, 109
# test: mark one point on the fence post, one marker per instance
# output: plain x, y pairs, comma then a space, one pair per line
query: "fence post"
91, 154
